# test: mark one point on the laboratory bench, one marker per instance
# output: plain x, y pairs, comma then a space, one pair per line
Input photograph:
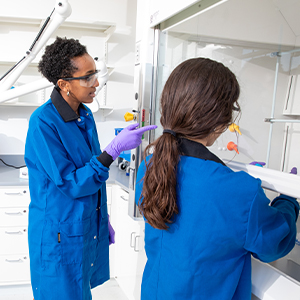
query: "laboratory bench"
11, 177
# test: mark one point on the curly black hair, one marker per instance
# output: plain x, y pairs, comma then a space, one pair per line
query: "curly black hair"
56, 61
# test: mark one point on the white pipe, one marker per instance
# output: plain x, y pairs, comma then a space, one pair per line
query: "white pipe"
288, 52
283, 183
273, 111
61, 12
25, 89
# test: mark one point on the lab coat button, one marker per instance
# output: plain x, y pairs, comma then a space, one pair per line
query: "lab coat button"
95, 237
78, 119
92, 265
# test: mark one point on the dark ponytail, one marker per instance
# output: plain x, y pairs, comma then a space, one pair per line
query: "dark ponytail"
161, 185
199, 97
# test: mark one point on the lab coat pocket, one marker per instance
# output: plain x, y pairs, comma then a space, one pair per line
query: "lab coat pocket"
50, 248
72, 240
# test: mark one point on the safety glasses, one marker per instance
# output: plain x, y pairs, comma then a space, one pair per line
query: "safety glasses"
87, 80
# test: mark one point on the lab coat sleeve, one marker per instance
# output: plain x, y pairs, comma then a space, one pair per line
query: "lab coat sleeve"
140, 181
53, 159
271, 229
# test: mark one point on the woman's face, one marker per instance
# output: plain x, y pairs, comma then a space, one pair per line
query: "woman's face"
79, 93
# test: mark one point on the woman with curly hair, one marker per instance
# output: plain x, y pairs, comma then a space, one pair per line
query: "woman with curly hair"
68, 230
204, 221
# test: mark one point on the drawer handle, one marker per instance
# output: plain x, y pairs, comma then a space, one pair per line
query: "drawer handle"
15, 232
14, 213
13, 194
14, 260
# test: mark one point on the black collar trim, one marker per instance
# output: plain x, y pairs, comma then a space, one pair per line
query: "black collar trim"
194, 149
62, 106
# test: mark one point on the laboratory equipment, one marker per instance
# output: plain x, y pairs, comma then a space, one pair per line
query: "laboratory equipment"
234, 128
232, 146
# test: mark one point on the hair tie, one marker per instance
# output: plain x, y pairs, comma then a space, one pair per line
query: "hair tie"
170, 131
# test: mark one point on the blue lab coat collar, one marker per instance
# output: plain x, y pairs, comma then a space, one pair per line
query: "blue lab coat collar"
62, 106
194, 149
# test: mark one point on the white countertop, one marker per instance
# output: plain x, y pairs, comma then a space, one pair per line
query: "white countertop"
11, 177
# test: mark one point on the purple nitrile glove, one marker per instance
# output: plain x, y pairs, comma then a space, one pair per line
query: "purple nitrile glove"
111, 233
129, 138
294, 171
257, 163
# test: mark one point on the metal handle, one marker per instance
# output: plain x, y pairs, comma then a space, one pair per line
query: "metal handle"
123, 198
14, 260
131, 239
14, 232
136, 248
13, 213
131, 178
13, 194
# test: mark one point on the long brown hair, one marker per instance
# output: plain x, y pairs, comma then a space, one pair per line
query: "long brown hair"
199, 96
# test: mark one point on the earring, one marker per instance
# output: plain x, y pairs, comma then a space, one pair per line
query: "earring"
68, 93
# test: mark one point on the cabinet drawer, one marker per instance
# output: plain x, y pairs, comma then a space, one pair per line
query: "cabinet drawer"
14, 196
14, 240
14, 269
13, 216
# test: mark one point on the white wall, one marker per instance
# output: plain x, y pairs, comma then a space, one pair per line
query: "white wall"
121, 47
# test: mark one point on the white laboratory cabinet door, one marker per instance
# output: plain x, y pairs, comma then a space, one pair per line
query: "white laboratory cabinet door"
292, 102
291, 146
129, 252
14, 257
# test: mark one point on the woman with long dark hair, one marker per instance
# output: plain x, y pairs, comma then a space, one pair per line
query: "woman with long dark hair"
204, 221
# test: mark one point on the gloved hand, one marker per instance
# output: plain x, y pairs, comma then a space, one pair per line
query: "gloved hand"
111, 233
257, 163
129, 138
294, 171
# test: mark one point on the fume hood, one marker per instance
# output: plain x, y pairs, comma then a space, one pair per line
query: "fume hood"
260, 42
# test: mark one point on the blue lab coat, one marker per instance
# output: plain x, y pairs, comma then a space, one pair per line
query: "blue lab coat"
68, 226
224, 217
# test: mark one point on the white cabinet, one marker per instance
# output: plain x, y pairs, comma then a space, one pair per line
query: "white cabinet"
129, 253
14, 257
292, 102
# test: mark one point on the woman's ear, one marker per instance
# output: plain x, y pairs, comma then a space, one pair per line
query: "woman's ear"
63, 85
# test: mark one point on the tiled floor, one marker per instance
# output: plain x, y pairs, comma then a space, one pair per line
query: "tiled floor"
110, 290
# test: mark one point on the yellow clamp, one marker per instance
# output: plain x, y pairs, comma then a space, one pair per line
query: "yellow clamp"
233, 127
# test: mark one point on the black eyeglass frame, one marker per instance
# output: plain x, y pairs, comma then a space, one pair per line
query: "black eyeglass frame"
81, 77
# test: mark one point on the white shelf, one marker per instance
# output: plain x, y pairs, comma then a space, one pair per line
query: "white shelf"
12, 63
30, 104
102, 27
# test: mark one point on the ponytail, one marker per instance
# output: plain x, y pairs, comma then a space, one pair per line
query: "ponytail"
158, 198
